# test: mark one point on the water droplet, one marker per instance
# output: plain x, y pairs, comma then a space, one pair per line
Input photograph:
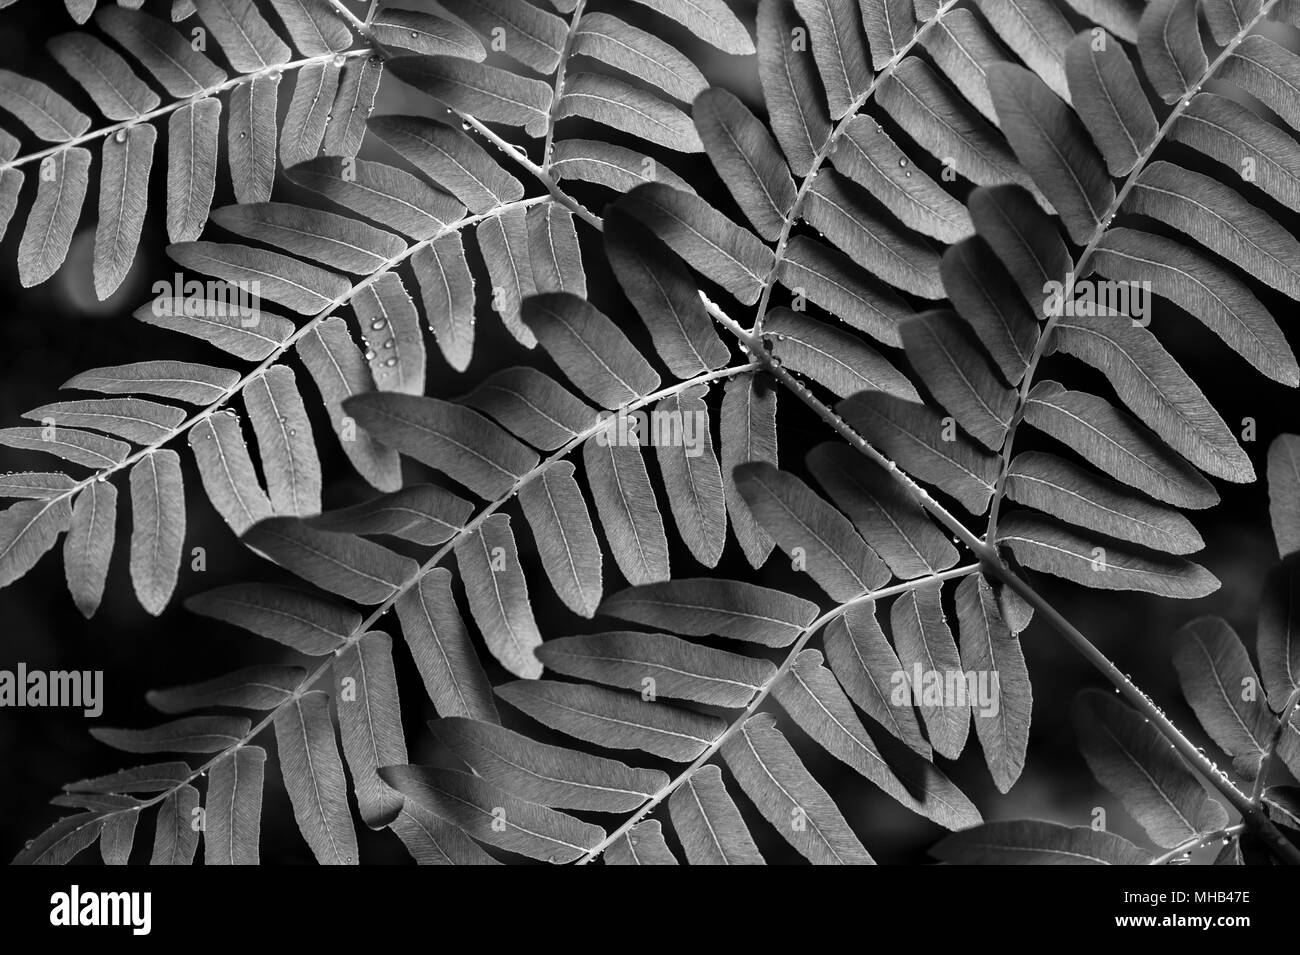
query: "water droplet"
908, 174
370, 356
902, 162
414, 34
121, 136
378, 323
340, 60
243, 135
391, 362
389, 343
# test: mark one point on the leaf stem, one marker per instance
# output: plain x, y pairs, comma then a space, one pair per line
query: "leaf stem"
762, 693
1289, 707
560, 71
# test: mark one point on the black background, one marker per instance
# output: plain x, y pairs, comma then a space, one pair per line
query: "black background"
55, 330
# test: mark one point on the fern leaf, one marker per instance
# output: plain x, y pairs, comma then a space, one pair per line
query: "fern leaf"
1117, 444
169, 56
664, 296
1142, 771
1157, 390
118, 838
566, 541
337, 241
423, 513
675, 668
190, 734
340, 372
309, 112
926, 647
35, 484
637, 53
1043, 544
867, 155
867, 668
233, 808
253, 688
249, 333
60, 192
353, 102
790, 87
1213, 670
843, 211
88, 547
643, 844
338, 563
548, 775
620, 105
1053, 144
431, 841
297, 285
41, 109
710, 20
444, 655
313, 26
626, 506
589, 348
1202, 287
79, 447
532, 406
419, 32
811, 531
1038, 33
176, 839
1030, 842
728, 608
1109, 100
251, 133
707, 822
613, 719
553, 250
773, 777
447, 291
486, 92
390, 328
313, 777
109, 80
457, 441
691, 474
833, 358
370, 724
63, 841
226, 468
913, 435
1268, 72
284, 441
705, 238
1169, 42
839, 49
158, 529
610, 165
1078, 497
449, 158
503, 241
832, 280
748, 425
141, 779
1278, 646
498, 595
1024, 239
882, 512
962, 48
192, 133
381, 193
302, 621
474, 806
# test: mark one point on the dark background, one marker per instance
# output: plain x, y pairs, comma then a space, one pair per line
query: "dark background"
55, 330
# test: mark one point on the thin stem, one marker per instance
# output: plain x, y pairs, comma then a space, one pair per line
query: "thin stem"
792, 214
560, 71
171, 107
1204, 839
762, 693
537, 471
1078, 269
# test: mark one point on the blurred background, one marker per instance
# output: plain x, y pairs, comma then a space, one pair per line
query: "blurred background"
51, 332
